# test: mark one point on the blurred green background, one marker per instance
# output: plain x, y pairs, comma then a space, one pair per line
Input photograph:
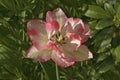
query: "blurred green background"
103, 17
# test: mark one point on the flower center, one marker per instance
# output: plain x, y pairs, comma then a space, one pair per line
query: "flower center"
58, 37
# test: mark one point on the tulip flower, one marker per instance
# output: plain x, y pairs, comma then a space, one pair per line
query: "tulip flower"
58, 38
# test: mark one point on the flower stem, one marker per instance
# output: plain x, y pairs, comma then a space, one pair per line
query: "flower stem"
44, 71
57, 73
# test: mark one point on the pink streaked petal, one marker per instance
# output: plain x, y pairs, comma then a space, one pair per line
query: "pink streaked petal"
43, 55
83, 53
74, 38
59, 60
75, 25
67, 49
50, 44
33, 31
50, 16
85, 34
56, 15
51, 28
37, 33
38, 25
74, 21
76, 41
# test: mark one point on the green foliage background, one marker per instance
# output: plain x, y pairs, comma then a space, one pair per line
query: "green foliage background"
103, 17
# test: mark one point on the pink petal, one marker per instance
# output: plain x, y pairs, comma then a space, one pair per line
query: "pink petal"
59, 60
43, 55
82, 53
68, 47
74, 25
85, 34
77, 26
74, 38
51, 28
67, 50
56, 15
37, 33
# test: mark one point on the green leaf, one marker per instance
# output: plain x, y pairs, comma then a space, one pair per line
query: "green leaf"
118, 10
109, 8
101, 57
96, 12
104, 23
100, 2
7, 77
49, 71
106, 42
116, 38
117, 17
102, 36
8, 4
116, 6
106, 65
117, 53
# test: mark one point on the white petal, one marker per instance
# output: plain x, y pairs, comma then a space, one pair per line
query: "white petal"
42, 55
59, 60
82, 53
37, 33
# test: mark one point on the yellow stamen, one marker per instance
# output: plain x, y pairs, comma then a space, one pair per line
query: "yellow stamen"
60, 38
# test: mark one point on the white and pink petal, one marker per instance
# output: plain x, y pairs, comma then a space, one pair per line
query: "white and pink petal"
80, 54
37, 33
67, 50
51, 28
74, 25
38, 55
74, 38
85, 35
60, 61
56, 15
